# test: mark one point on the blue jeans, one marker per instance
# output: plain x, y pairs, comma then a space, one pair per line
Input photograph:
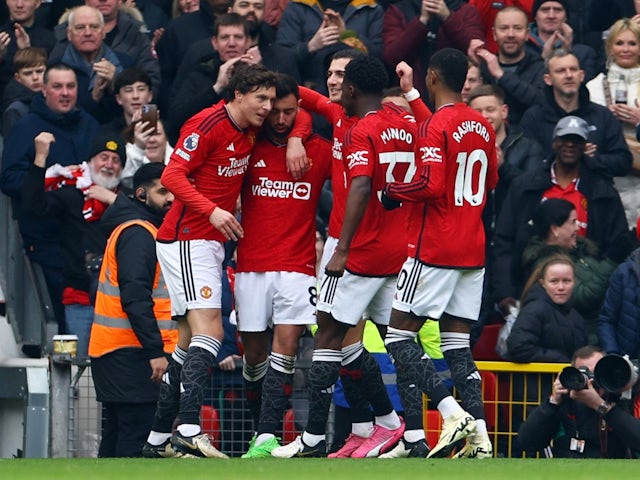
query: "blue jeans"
79, 319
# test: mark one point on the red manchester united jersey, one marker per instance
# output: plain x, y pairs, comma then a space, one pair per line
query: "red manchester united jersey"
205, 170
380, 146
456, 154
334, 113
278, 212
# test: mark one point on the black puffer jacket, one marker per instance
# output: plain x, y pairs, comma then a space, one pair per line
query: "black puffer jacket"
545, 331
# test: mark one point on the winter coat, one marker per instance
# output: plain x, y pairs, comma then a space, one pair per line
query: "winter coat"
592, 271
628, 186
405, 38
606, 227
301, 20
16, 102
612, 155
545, 331
619, 323
521, 87
74, 132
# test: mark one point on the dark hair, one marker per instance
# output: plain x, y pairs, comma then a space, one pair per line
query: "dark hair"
486, 90
63, 67
452, 66
551, 212
367, 74
129, 76
147, 174
586, 352
347, 53
231, 19
250, 77
286, 86
540, 271
29, 57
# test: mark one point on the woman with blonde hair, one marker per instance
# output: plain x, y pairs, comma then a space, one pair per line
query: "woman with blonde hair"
619, 89
548, 328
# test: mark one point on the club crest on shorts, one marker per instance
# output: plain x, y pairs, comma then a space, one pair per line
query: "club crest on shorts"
205, 292
191, 142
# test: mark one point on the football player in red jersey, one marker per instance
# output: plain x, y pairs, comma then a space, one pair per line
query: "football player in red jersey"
358, 278
442, 278
205, 174
275, 279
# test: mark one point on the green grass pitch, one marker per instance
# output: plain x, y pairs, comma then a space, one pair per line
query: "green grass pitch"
316, 469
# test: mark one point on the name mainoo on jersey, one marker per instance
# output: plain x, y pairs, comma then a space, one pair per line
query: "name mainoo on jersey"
470, 126
281, 189
237, 166
396, 134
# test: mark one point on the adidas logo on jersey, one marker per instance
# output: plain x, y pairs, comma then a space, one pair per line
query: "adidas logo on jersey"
260, 164
231, 148
339, 122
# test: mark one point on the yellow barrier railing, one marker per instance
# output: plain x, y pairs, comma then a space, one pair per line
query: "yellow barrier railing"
510, 392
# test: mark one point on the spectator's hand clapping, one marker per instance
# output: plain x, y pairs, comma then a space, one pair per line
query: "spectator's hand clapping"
5, 40
22, 37
472, 52
327, 35
333, 18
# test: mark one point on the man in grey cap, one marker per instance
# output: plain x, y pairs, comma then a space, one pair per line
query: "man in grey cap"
599, 210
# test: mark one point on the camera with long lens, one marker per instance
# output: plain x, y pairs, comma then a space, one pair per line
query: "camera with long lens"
573, 378
615, 373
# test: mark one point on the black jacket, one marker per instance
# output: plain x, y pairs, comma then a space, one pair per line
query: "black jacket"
545, 331
124, 374
16, 102
522, 87
607, 225
571, 419
612, 156
180, 33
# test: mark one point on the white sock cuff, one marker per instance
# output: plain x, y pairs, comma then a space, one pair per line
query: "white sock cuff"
253, 373
283, 363
179, 355
206, 342
397, 335
326, 355
453, 341
351, 352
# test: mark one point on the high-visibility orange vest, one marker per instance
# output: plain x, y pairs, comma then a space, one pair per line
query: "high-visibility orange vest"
111, 329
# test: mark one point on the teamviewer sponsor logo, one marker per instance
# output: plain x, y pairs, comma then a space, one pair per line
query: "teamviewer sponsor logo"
281, 189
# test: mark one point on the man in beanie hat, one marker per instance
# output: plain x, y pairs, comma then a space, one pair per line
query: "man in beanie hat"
550, 30
76, 197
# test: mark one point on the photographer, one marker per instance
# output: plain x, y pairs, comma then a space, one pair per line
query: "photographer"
583, 423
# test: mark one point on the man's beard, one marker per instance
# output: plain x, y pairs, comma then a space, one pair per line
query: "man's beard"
108, 182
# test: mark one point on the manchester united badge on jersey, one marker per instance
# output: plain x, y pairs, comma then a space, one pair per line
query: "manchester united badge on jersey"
251, 136
205, 292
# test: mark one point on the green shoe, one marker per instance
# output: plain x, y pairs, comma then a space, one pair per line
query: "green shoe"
263, 450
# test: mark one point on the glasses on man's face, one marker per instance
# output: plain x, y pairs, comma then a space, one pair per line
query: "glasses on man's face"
80, 28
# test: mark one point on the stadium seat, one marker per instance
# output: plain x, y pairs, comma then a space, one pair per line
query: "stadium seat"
210, 423
485, 347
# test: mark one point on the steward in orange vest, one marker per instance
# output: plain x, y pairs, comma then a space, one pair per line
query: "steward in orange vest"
132, 335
